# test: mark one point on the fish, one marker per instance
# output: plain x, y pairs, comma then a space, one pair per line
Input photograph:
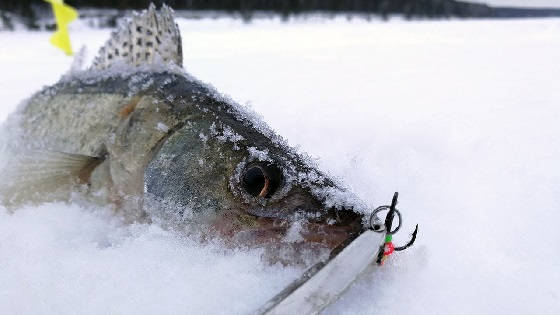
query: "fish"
136, 132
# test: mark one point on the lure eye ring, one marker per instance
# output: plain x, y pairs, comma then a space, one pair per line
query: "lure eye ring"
379, 226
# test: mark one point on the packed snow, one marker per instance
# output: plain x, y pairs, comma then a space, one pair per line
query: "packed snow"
460, 117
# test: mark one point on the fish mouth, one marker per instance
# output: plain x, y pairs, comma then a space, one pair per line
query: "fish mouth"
333, 234
303, 233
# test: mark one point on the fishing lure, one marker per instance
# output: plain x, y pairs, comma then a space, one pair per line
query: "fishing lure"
388, 247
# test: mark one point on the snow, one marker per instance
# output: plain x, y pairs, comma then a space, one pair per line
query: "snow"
67, 259
460, 117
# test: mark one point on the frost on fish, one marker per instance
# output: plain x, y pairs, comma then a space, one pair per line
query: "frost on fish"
171, 149
162, 127
111, 115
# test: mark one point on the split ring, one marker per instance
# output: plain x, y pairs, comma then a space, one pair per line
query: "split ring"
379, 226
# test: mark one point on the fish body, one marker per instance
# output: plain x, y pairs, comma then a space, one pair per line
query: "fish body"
137, 132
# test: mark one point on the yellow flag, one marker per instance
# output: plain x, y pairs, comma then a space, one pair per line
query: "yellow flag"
63, 15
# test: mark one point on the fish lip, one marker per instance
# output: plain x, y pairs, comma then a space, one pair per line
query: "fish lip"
313, 233
333, 234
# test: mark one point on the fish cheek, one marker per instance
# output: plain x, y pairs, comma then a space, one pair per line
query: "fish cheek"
188, 176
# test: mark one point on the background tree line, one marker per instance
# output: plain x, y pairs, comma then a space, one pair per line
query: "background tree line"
29, 9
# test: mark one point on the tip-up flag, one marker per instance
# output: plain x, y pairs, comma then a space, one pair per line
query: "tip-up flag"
63, 15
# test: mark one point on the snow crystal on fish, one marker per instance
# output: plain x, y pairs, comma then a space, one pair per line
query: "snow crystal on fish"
162, 127
259, 155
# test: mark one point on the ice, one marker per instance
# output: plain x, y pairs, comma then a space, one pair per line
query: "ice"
460, 117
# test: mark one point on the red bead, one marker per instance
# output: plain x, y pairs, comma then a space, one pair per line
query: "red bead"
389, 248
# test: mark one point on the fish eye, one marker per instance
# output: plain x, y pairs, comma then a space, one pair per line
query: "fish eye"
261, 180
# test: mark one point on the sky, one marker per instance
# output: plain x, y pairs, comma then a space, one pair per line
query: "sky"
525, 3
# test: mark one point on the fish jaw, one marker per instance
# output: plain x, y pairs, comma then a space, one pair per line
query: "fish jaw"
301, 232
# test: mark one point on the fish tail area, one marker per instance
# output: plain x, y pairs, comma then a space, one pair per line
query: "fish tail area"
40, 176
148, 37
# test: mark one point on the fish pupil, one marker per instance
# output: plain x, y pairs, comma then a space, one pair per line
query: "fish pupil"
254, 181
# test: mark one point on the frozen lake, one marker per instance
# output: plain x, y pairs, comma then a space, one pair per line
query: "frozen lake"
460, 117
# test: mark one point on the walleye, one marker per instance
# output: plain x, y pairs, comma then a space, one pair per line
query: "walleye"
135, 131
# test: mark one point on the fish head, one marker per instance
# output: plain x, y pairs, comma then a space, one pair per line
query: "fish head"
225, 173
217, 170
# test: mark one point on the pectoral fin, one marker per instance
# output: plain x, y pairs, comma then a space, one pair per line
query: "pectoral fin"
40, 176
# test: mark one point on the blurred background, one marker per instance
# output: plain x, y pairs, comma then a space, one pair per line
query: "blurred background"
35, 14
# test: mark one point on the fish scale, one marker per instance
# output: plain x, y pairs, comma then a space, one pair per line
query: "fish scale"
138, 133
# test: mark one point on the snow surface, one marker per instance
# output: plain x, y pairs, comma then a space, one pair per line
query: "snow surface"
460, 117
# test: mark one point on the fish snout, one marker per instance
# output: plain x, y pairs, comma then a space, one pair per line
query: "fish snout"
333, 227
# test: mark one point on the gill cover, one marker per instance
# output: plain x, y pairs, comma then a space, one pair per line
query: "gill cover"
189, 174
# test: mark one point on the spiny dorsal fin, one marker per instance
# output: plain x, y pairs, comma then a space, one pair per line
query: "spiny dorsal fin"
148, 37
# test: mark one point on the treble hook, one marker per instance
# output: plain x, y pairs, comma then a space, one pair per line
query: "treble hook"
412, 239
389, 223
387, 227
